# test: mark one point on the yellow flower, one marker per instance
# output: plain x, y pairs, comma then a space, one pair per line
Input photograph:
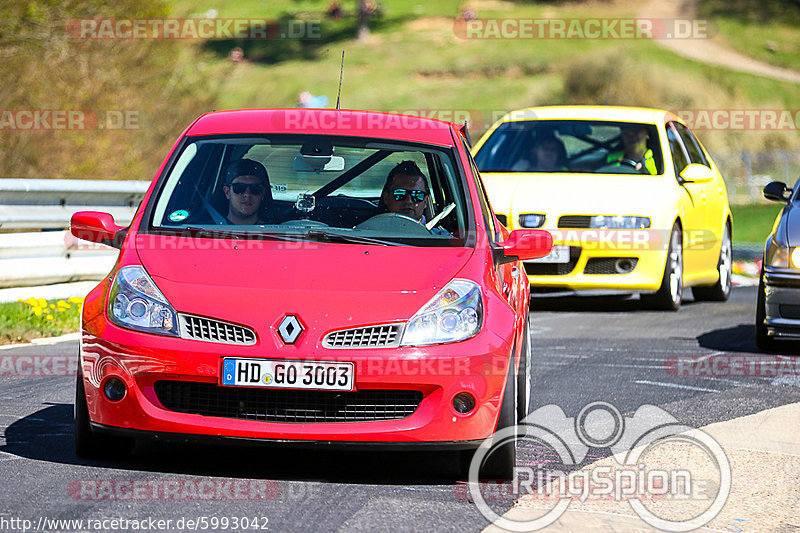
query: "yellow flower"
31, 301
41, 302
21, 301
52, 306
49, 317
37, 311
62, 303
75, 299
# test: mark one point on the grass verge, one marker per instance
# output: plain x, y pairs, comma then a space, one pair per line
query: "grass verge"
753, 222
33, 318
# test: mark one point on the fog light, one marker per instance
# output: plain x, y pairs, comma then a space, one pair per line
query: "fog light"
463, 402
624, 265
114, 389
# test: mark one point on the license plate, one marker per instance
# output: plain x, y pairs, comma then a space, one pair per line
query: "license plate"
559, 254
282, 374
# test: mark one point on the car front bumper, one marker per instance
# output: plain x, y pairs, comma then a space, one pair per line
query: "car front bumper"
782, 299
435, 374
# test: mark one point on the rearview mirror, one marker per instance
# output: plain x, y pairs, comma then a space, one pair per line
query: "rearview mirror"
696, 173
777, 191
524, 244
96, 226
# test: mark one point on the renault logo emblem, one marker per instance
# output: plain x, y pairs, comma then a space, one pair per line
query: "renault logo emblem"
290, 329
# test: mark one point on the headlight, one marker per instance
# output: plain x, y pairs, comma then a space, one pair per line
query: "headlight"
454, 314
779, 256
136, 303
531, 220
619, 222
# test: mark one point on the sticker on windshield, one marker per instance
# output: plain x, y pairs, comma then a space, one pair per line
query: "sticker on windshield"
177, 216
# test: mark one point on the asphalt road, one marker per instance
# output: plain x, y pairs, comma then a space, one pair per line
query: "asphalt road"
586, 349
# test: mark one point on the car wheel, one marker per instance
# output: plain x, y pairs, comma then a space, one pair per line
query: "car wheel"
670, 294
88, 444
764, 342
524, 376
721, 291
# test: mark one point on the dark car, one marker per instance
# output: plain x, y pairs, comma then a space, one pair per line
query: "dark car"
778, 306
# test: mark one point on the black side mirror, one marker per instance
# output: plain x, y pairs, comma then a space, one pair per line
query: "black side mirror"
777, 191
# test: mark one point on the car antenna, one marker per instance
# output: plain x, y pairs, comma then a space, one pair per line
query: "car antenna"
341, 71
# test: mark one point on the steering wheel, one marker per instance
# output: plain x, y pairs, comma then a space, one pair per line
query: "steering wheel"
395, 223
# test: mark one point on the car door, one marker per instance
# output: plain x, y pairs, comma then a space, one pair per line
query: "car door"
693, 199
709, 237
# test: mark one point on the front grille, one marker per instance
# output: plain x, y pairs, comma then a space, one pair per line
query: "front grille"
384, 336
607, 265
574, 221
554, 269
209, 330
295, 406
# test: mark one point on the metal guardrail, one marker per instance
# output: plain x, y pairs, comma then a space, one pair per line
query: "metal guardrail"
36, 247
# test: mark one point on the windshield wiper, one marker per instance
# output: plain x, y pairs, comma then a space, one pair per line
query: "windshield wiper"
199, 231
346, 237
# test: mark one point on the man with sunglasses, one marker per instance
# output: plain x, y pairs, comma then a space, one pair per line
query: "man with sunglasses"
246, 187
406, 192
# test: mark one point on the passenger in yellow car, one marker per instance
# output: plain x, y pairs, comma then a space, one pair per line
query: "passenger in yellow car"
635, 150
549, 155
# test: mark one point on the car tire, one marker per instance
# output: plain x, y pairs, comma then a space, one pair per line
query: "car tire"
524, 376
720, 291
764, 342
89, 444
670, 294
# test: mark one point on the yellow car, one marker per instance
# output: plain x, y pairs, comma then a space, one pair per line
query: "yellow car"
633, 200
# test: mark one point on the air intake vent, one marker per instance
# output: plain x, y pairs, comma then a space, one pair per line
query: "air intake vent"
384, 336
281, 405
574, 221
210, 330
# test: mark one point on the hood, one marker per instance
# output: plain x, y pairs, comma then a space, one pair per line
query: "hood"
558, 194
328, 285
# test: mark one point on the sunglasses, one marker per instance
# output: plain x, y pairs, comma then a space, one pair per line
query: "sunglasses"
240, 188
416, 196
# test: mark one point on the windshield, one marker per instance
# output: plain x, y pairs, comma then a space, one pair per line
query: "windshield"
585, 146
303, 187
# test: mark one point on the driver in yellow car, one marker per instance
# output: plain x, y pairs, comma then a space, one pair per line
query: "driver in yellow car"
634, 142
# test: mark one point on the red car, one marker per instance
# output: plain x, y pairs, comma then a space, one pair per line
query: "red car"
309, 277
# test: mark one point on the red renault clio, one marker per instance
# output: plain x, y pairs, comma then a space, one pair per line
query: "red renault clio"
316, 277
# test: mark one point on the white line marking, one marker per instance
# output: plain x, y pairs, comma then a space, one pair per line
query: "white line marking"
673, 385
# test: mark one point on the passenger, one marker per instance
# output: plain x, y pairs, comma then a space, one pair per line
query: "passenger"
405, 193
635, 150
246, 187
549, 155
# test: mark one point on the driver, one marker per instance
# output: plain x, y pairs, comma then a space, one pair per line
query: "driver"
634, 142
246, 183
405, 193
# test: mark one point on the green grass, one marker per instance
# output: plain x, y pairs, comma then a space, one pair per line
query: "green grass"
23, 321
752, 223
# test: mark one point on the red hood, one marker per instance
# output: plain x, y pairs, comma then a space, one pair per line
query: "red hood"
329, 286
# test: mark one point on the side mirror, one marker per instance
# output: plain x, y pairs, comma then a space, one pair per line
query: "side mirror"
96, 226
524, 244
777, 191
695, 173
